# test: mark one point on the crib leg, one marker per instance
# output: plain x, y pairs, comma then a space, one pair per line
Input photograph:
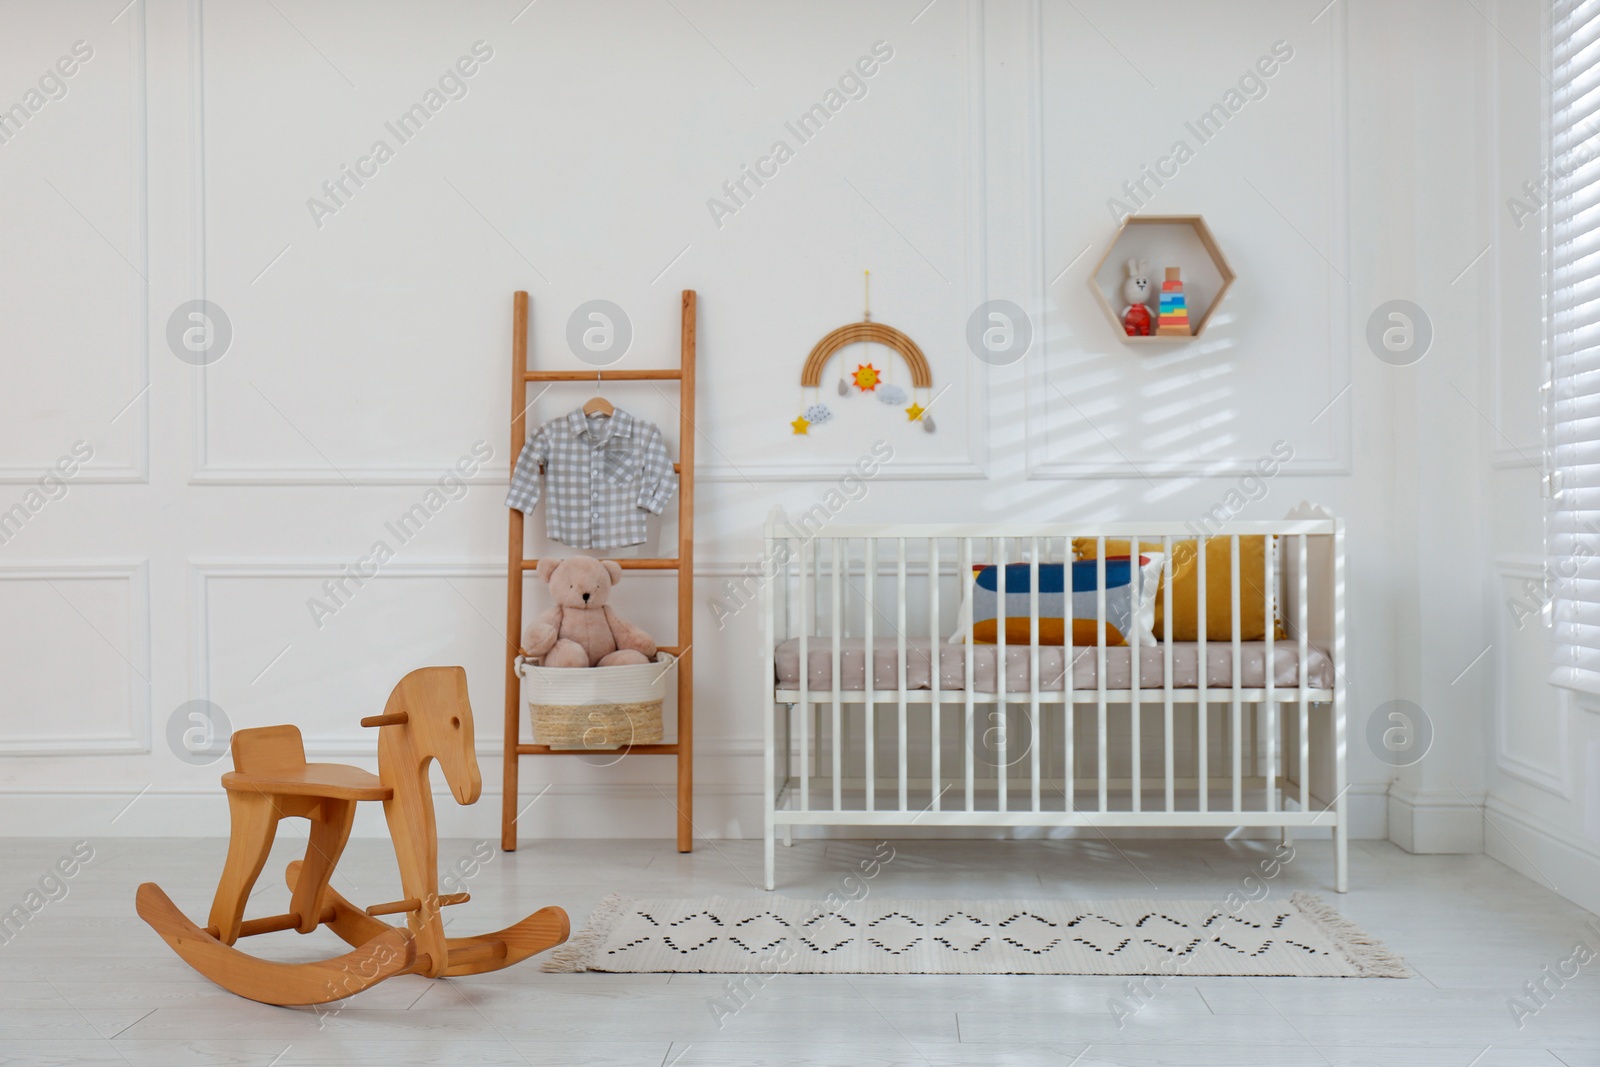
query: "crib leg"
771, 857
788, 835
1286, 838
1341, 854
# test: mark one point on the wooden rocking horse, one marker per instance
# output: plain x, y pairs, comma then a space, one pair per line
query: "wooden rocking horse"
427, 718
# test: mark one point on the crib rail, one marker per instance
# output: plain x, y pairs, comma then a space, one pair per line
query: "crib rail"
1043, 745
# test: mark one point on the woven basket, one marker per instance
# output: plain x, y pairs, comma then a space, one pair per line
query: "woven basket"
598, 707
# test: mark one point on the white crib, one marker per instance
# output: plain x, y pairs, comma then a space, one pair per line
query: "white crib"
1234, 734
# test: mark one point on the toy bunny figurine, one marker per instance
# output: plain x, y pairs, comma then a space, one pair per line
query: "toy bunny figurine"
1136, 290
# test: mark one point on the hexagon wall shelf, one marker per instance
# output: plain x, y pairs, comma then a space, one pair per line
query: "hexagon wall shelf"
1182, 241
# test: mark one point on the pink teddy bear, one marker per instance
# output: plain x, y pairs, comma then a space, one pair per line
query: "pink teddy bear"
582, 630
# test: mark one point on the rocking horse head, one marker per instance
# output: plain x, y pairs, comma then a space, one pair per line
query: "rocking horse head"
429, 706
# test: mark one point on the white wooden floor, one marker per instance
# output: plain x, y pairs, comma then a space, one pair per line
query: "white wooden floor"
87, 983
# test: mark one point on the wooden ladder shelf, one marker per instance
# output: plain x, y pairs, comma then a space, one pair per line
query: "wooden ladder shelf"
520, 564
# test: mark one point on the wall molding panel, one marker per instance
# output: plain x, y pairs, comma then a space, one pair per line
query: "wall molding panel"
137, 469
1508, 454
204, 572
974, 383
1042, 395
134, 738
1552, 775
712, 467
351, 744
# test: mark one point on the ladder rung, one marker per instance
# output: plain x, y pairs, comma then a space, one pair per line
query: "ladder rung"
602, 375
638, 750
626, 564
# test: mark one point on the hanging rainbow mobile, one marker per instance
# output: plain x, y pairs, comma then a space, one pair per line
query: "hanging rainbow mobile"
867, 378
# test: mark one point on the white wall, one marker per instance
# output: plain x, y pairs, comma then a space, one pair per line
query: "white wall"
370, 352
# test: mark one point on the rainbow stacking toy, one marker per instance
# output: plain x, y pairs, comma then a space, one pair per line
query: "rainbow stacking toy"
1174, 312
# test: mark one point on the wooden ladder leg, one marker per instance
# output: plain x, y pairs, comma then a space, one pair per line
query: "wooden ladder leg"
253, 819
513, 694
685, 758
687, 341
513, 731
330, 829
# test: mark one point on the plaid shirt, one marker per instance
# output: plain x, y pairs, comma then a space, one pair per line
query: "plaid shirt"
604, 473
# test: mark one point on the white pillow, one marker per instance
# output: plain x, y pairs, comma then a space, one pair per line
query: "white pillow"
1130, 602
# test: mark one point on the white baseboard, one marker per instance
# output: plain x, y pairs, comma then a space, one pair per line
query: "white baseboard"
1434, 822
1368, 808
623, 810
1554, 858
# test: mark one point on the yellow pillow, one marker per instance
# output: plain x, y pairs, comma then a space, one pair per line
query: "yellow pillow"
1185, 569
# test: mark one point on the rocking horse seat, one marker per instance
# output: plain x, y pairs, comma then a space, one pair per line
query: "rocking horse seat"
333, 780
272, 760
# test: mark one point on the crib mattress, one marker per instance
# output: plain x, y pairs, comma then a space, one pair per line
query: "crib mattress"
1053, 664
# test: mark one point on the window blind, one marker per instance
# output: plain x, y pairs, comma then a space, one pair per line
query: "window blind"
1573, 583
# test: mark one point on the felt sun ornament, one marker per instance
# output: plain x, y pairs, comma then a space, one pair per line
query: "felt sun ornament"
866, 377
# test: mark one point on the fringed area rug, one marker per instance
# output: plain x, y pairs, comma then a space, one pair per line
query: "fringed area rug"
1303, 937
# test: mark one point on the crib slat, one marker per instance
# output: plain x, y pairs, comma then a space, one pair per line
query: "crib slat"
1270, 595
1336, 712
1100, 666
968, 741
816, 588
1236, 731
816, 732
1069, 720
1166, 665
1136, 595
870, 582
1303, 640
791, 595
840, 556
1203, 708
771, 784
815, 710
1069, 661
787, 592
806, 604
1034, 648
998, 549
936, 709
900, 661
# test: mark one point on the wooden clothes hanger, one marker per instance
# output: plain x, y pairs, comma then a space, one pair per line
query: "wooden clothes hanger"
597, 404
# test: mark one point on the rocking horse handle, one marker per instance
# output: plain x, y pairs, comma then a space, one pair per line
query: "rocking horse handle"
398, 718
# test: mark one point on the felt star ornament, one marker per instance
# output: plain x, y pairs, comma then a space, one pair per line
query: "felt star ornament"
914, 412
801, 424
866, 377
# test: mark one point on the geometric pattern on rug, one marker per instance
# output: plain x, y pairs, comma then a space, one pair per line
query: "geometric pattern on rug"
1300, 937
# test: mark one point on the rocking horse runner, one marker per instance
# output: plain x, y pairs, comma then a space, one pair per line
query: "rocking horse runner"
427, 718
